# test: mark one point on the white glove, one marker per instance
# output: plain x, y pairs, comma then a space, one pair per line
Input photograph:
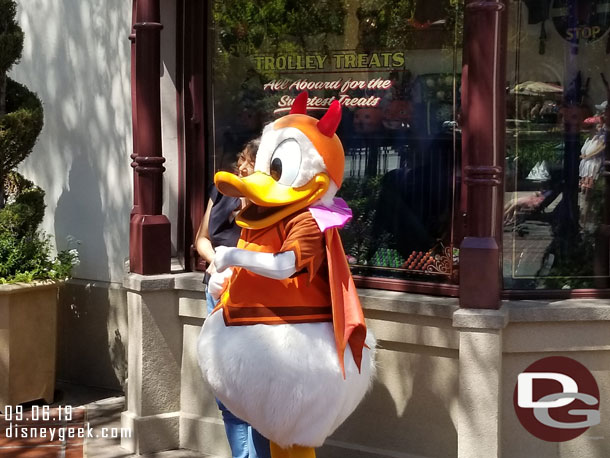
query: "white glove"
272, 265
222, 258
218, 282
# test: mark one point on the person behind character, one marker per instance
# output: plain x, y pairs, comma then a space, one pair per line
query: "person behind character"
591, 155
414, 204
218, 228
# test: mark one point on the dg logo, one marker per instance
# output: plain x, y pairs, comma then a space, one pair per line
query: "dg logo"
556, 399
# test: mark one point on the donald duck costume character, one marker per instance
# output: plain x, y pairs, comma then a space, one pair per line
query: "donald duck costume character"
287, 349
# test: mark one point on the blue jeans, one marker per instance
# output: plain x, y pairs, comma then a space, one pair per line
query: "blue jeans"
245, 441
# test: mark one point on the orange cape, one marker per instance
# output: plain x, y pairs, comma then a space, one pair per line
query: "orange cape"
348, 319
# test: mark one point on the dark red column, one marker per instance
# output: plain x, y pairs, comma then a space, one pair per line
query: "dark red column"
483, 132
134, 112
149, 231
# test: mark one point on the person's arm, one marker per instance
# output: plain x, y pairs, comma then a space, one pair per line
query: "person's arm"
601, 146
203, 244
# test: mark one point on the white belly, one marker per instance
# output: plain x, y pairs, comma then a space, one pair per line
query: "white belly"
283, 379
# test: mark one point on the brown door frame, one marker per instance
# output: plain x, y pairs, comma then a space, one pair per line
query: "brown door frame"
192, 97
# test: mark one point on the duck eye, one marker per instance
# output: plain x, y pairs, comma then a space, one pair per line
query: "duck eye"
286, 162
276, 168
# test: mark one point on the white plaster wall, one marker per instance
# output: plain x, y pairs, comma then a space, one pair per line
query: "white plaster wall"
77, 58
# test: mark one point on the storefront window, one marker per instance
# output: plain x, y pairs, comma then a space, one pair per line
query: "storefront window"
394, 65
556, 210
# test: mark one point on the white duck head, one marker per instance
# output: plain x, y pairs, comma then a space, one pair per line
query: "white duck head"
300, 161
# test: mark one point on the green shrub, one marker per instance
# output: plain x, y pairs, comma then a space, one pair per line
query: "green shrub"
25, 252
11, 35
28, 259
20, 127
22, 216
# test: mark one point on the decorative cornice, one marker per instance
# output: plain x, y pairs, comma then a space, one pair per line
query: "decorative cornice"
485, 6
148, 26
483, 175
148, 164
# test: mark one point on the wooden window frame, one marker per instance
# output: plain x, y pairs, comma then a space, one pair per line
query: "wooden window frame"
480, 215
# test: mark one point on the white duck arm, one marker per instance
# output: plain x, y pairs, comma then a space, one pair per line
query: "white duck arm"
273, 265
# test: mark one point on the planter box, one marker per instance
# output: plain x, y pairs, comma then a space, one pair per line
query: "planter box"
28, 342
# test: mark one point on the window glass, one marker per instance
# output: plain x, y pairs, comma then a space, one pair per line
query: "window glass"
394, 65
556, 210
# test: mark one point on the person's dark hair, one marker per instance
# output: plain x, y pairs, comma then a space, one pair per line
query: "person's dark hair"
248, 153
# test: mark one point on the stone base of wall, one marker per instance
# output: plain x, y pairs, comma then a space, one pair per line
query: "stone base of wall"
445, 380
92, 338
204, 434
152, 433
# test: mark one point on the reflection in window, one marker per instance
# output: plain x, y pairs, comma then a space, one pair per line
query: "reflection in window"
555, 204
393, 64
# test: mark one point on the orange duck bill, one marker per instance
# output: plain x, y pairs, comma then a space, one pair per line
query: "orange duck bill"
269, 201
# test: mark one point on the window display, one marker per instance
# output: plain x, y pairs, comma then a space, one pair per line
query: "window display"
556, 208
394, 67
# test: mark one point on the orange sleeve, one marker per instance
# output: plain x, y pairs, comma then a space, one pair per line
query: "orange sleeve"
304, 238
